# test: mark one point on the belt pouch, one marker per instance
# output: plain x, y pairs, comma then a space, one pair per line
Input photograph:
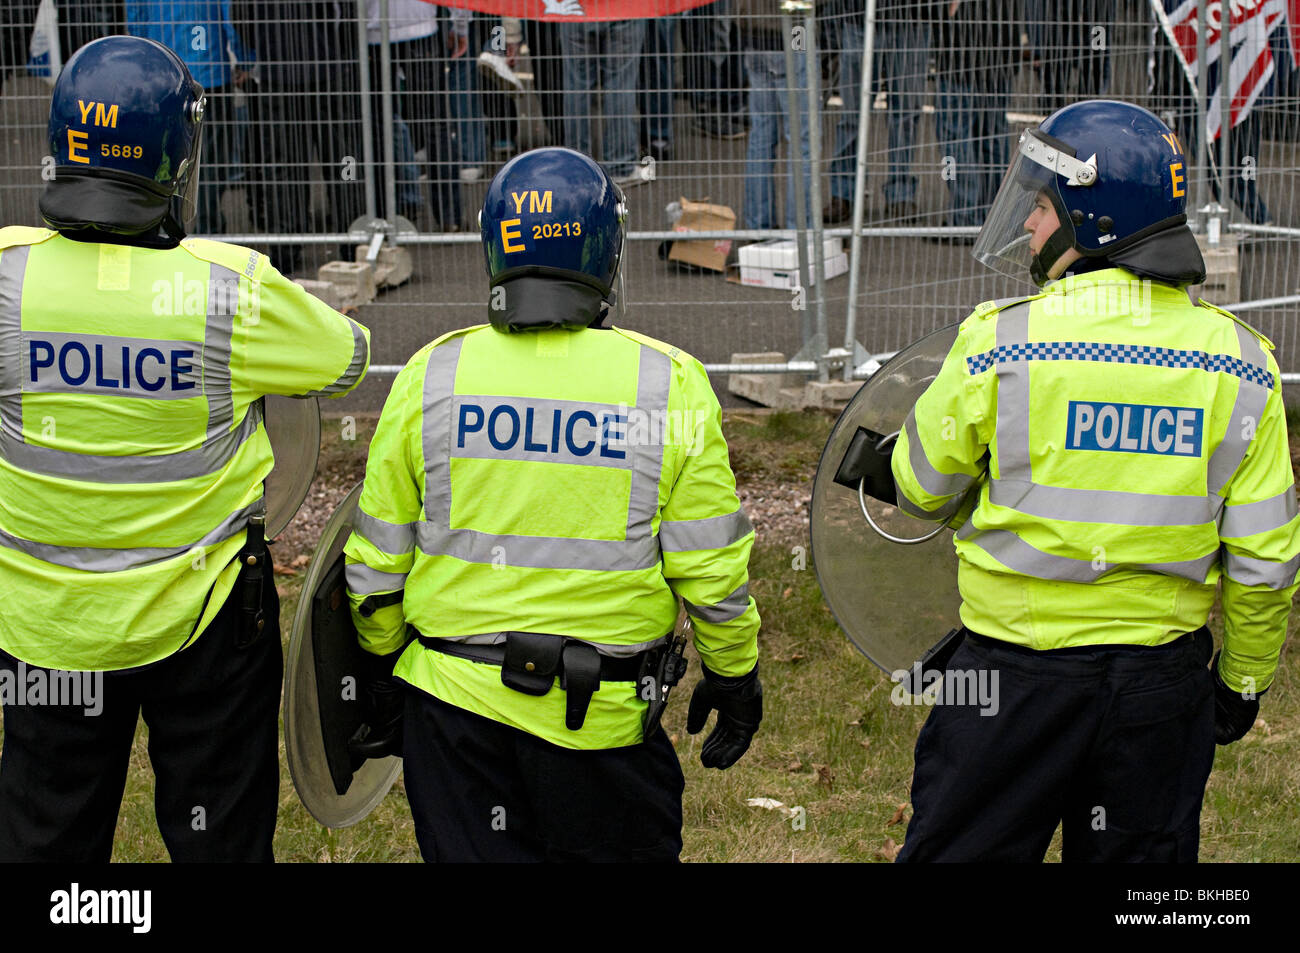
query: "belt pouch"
532, 661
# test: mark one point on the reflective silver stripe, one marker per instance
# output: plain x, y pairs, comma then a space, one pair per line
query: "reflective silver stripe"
613, 651
396, 539
1014, 553
1092, 506
223, 302
353, 372
714, 532
942, 513
1247, 414
1013, 397
110, 365
1261, 516
639, 549
13, 270
439, 388
363, 580
1249, 571
118, 560
539, 552
548, 431
931, 480
210, 457
654, 378
732, 607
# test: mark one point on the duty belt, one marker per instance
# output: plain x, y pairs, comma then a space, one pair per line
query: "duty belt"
531, 661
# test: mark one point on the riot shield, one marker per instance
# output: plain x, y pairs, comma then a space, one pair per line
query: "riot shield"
893, 602
323, 686
293, 427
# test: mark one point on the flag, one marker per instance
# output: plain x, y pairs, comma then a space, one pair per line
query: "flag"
1251, 65
576, 10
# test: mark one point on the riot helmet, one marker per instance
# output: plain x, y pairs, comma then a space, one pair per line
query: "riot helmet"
1117, 179
125, 133
553, 229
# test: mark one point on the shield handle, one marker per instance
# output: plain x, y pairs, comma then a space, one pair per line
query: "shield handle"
884, 442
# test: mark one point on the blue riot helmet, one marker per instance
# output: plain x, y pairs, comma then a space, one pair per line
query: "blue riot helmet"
125, 133
553, 227
1117, 178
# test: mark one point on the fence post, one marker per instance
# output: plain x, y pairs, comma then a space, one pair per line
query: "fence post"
367, 138
860, 186
386, 113
815, 161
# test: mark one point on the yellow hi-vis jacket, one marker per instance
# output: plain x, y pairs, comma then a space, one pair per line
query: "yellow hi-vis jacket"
568, 482
132, 450
1136, 452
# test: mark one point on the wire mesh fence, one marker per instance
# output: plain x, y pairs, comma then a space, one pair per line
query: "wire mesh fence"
323, 116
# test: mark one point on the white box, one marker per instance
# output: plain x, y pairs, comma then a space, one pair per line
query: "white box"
788, 278
781, 253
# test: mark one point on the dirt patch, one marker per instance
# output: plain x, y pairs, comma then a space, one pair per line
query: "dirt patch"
774, 464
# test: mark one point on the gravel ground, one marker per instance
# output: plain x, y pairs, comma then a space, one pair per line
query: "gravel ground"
777, 508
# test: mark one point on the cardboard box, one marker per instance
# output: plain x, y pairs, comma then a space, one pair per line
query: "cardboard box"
703, 217
788, 278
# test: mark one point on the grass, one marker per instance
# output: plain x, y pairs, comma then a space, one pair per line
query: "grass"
831, 742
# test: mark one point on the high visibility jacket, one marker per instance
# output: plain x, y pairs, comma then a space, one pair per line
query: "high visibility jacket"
566, 482
1136, 451
132, 450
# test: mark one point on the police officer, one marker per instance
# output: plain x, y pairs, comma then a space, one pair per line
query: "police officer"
1111, 451
539, 494
132, 363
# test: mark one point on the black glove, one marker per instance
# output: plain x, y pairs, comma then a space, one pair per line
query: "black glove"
1234, 714
380, 734
739, 702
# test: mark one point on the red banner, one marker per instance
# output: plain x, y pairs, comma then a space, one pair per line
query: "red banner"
1293, 30
584, 10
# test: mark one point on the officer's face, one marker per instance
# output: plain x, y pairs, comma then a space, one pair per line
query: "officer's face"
1040, 225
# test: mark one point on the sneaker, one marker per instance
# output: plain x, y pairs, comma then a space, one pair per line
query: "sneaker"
722, 127
497, 71
660, 149
471, 173
638, 175
834, 101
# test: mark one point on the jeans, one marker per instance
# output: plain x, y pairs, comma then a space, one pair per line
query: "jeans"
463, 98
1064, 37
710, 64
769, 124
221, 164
902, 50
970, 122
656, 95
609, 53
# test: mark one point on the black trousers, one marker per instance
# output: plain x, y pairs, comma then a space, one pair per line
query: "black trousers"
212, 712
1115, 744
289, 131
483, 791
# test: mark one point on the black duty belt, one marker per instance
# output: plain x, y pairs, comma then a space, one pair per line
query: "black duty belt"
530, 663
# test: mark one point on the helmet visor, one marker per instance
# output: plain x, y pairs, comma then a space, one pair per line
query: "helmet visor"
189, 189
1004, 242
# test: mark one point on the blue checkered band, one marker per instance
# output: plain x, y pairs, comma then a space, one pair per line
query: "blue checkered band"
1120, 354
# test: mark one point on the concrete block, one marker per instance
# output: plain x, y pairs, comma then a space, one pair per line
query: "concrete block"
353, 281
323, 290
829, 395
1222, 272
392, 267
784, 391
